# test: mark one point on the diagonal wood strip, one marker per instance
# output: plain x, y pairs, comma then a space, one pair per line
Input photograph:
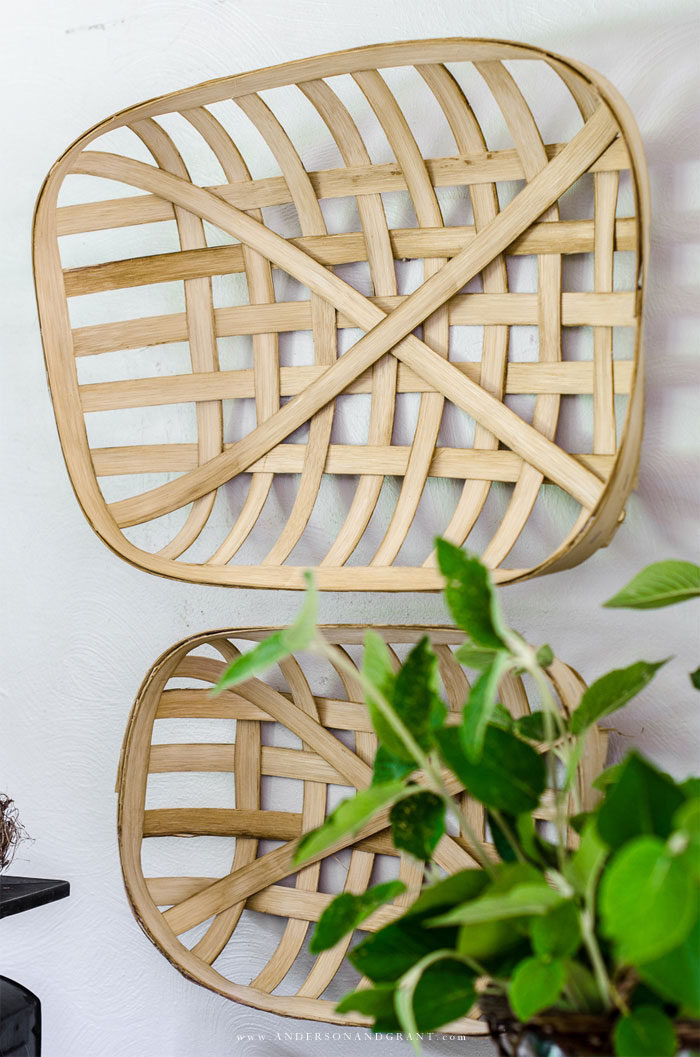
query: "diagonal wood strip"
309, 730
384, 332
285, 710
275, 865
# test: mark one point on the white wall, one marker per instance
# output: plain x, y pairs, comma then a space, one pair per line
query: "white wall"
81, 627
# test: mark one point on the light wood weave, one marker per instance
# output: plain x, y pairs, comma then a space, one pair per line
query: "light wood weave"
267, 434
332, 748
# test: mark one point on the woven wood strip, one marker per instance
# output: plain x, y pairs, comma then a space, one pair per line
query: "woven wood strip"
570, 236
295, 370
468, 137
266, 389
198, 919
363, 180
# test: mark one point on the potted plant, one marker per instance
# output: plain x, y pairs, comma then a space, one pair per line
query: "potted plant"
588, 945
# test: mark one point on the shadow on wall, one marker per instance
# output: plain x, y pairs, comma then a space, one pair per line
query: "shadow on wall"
670, 467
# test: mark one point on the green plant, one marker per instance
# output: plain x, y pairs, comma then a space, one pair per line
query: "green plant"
609, 927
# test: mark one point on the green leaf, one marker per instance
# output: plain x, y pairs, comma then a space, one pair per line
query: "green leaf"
393, 950
643, 800
509, 777
378, 669
501, 841
583, 868
520, 902
377, 663
470, 596
513, 886
255, 661
474, 657
513, 876
646, 1032
690, 787
676, 975
301, 631
611, 692
444, 991
348, 817
457, 888
533, 846
418, 823
686, 824
412, 693
577, 822
390, 952
492, 942
416, 692
522, 838
480, 706
648, 901
377, 1002
687, 817
642, 995
279, 645
536, 985
660, 584
532, 727
501, 717
347, 911
389, 768
695, 678
558, 933
544, 656
496, 943
610, 776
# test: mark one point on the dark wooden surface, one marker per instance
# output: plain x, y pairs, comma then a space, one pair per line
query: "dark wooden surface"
24, 893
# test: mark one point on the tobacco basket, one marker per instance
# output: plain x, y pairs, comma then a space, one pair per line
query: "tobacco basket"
423, 317
302, 738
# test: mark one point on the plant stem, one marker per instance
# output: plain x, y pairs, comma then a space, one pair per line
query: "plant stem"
567, 752
432, 773
432, 873
337, 658
551, 716
406, 989
477, 847
605, 985
527, 659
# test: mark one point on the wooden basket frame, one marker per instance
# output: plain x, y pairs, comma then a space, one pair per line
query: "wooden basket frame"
600, 482
322, 759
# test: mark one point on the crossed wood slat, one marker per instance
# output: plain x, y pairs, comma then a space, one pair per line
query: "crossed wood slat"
385, 331
390, 358
168, 907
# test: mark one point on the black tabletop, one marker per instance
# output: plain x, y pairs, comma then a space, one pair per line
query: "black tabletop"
24, 893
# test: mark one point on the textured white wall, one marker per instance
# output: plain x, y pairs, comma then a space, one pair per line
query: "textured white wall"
80, 628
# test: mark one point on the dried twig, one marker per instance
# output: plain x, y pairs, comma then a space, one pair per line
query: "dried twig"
12, 832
